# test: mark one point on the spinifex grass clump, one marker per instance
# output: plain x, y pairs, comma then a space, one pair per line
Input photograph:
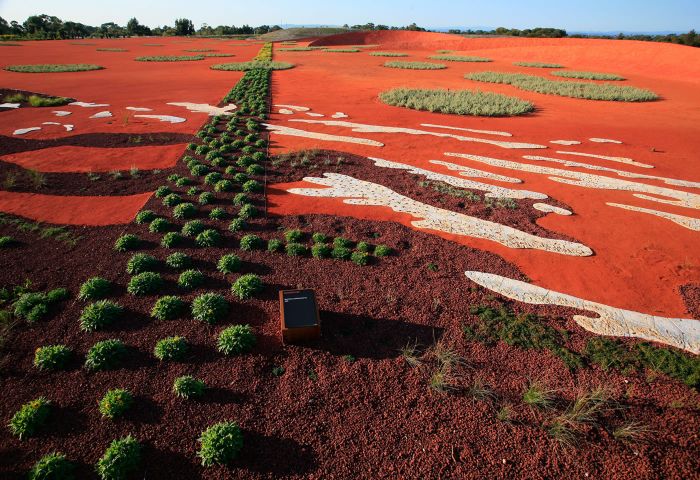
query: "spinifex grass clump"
416, 65
105, 355
221, 444
141, 262
247, 285
169, 58
388, 54
589, 91
120, 460
178, 260
188, 387
209, 308
588, 75
53, 466
170, 348
168, 307
53, 68
94, 288
30, 417
229, 263
99, 315
459, 58
52, 357
236, 340
246, 66
127, 242
115, 403
460, 102
34, 306
538, 65
190, 279
145, 283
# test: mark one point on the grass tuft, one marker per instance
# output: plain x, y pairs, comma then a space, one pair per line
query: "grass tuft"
459, 58
415, 65
53, 68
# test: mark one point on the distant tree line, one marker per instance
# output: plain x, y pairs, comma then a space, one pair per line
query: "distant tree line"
371, 26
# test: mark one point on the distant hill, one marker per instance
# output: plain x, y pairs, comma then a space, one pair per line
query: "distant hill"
297, 33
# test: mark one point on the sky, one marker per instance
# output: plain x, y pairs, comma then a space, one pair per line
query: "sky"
572, 15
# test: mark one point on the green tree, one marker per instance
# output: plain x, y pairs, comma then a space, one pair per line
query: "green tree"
184, 27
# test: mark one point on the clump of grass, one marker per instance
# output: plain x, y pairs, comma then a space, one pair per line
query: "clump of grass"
99, 315
188, 387
321, 250
537, 65
184, 210
251, 242
221, 444
168, 307
459, 58
171, 239
193, 228
294, 235
127, 242
537, 395
34, 306
209, 308
178, 260
121, 459
105, 355
52, 357
481, 391
246, 286
245, 66
382, 251
295, 249
275, 245
388, 54
145, 283
53, 466
585, 409
169, 58
170, 348
415, 65
459, 102
53, 68
505, 413
411, 354
39, 101
632, 432
589, 91
208, 238
588, 75
94, 288
229, 263
341, 50
30, 417
115, 403
190, 279
141, 262
236, 340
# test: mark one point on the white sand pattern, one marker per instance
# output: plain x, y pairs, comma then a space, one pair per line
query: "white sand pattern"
9, 105
285, 111
686, 222
211, 110
164, 118
89, 104
68, 127
682, 333
494, 191
312, 114
295, 132
603, 140
620, 173
472, 130
102, 114
546, 208
139, 109
625, 160
339, 115
296, 108
363, 128
565, 142
61, 113
360, 192
589, 180
51, 123
22, 131
476, 173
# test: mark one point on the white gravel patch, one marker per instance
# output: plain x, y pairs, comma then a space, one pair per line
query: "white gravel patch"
603, 140
296, 108
139, 109
285, 111
206, 108
22, 131
686, 222
625, 160
164, 118
89, 104
472, 130
61, 113
295, 132
9, 105
546, 208
102, 114
339, 115
565, 142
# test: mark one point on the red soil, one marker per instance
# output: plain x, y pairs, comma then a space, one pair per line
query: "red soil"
640, 261
73, 210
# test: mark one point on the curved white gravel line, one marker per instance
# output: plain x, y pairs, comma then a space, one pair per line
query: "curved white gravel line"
546, 208
472, 130
625, 160
295, 132
686, 222
164, 118
604, 140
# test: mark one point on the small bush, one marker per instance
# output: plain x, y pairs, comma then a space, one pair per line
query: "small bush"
221, 444
162, 191
321, 250
52, 357
319, 237
172, 199
54, 466
199, 170
229, 264
209, 308
121, 459
169, 58
293, 235
236, 340
115, 403
341, 253
224, 186
382, 251
140, 263
170, 348
388, 54
183, 182
217, 214
99, 315
105, 355
274, 245
255, 169
6, 241
342, 242
192, 191
251, 242
30, 417
168, 307
236, 225
127, 242
145, 283
184, 210
202, 149
360, 258
252, 186
416, 65
245, 66
159, 225
178, 260
363, 247
193, 228
459, 58
212, 178
145, 216
188, 387
190, 279
247, 285
34, 306
247, 211
206, 198
588, 75
538, 65
208, 238
295, 249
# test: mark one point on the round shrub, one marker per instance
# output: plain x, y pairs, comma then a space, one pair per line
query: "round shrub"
221, 444
251, 242
295, 249
247, 285
99, 315
199, 170
241, 178
229, 264
168, 307
224, 186
341, 253
382, 250
255, 169
32, 306
202, 149
115, 403
191, 146
192, 191
259, 157
360, 258
292, 236
236, 340
248, 149
217, 213
121, 459
260, 143
236, 225
162, 191
94, 288
159, 225
252, 186
321, 250
170, 348
178, 260
213, 155
209, 308
145, 216
184, 210
208, 238
172, 199
363, 247
241, 199
105, 355
319, 238
212, 178
141, 262
193, 228
250, 138
52, 357
188, 387
127, 242
206, 198
53, 466
247, 211
30, 417
342, 242
274, 245
183, 182
171, 239
190, 279
144, 283
6, 241
245, 161
57, 295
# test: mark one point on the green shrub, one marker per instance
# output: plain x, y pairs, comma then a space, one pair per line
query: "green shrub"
144, 283
229, 264
193, 228
341, 253
171, 239
274, 245
170, 348
208, 238
209, 308
252, 186
53, 466
255, 169
538, 65
224, 186
53, 68
30, 417
184, 210
172, 199
247, 211
188, 387
115, 403
360, 258
6, 241
192, 191
190, 279
141, 262
245, 160
342, 242
321, 250
217, 213
178, 260
259, 157
245, 66
295, 249
206, 198
416, 65
236, 225
459, 102
459, 58
99, 315
145, 216
159, 225
105, 355
32, 306
293, 235
57, 295
251, 242
121, 459
183, 182
199, 170
127, 242
38, 101
342, 50
388, 54
202, 149
212, 178
162, 191
247, 285
236, 340
168, 307
319, 237
191, 146
52, 357
363, 247
588, 75
169, 58
382, 250
221, 444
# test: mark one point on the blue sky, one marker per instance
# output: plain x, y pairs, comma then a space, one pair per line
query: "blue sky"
573, 15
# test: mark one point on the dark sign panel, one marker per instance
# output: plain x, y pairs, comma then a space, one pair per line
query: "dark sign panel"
299, 315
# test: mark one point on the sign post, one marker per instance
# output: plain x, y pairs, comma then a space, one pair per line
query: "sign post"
299, 317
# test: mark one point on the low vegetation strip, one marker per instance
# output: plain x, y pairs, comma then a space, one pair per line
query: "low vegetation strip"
169, 58
342, 50
589, 91
245, 66
416, 65
537, 65
459, 58
460, 102
588, 75
388, 54
53, 68
299, 49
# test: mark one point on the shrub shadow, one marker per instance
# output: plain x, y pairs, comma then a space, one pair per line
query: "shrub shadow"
274, 456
